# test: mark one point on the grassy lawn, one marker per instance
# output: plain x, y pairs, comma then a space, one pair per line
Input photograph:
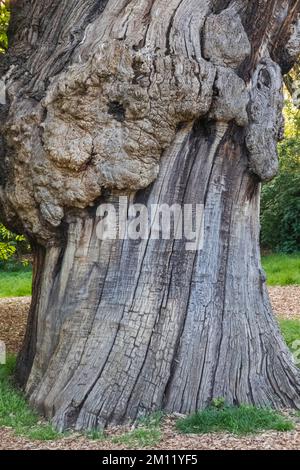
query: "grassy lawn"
291, 331
15, 412
282, 270
15, 283
147, 433
17, 415
244, 419
139, 437
236, 420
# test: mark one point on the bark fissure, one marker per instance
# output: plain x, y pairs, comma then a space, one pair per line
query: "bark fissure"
74, 412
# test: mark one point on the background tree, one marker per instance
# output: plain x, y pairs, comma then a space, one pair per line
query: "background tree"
4, 21
280, 207
12, 247
166, 102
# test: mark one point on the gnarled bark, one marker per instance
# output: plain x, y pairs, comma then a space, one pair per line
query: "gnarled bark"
167, 102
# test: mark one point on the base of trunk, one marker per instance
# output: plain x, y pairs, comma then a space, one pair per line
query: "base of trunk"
122, 328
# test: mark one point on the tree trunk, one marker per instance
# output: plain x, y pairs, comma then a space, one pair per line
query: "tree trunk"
166, 102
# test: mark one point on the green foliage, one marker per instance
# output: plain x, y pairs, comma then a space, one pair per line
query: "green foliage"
11, 244
292, 120
236, 420
4, 21
6, 251
282, 270
15, 412
16, 283
280, 208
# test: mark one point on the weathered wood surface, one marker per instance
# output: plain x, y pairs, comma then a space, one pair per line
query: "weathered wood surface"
176, 101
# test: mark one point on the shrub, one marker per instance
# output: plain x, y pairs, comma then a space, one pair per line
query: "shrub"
280, 208
12, 247
4, 20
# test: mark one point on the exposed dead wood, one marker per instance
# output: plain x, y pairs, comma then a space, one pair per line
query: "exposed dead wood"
174, 101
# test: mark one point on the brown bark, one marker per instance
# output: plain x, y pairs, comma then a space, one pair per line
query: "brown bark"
140, 103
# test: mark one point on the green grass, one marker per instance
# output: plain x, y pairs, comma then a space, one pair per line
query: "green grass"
95, 435
41, 432
147, 433
236, 420
152, 420
15, 283
15, 412
139, 437
244, 419
291, 331
282, 270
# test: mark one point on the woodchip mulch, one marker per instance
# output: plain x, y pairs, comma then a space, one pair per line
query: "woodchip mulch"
286, 301
171, 440
13, 316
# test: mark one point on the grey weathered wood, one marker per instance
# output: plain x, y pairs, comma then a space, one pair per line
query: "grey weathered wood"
174, 101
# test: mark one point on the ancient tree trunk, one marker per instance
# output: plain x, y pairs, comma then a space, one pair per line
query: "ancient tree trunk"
174, 102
